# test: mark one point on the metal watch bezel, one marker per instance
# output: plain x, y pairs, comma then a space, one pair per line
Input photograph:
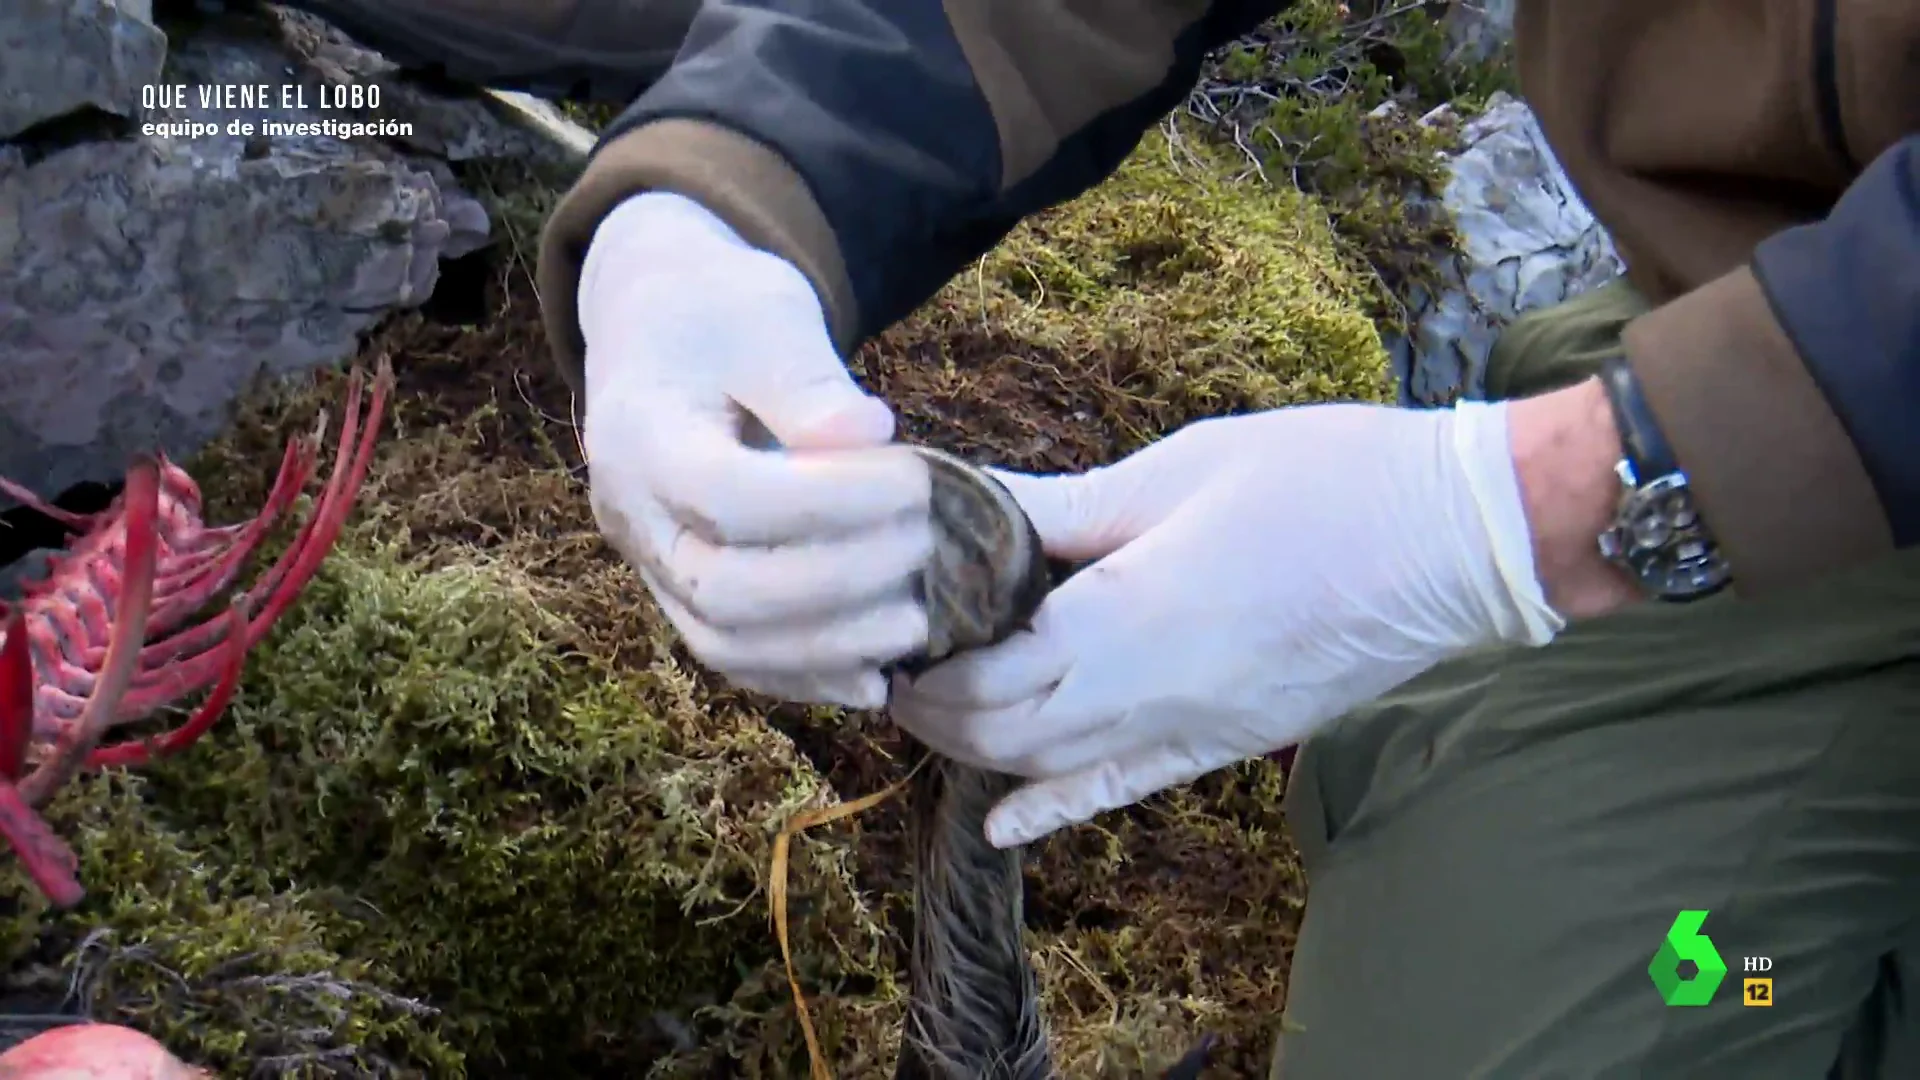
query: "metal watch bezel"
1658, 537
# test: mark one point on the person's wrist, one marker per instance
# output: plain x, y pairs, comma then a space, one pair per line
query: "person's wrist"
1565, 445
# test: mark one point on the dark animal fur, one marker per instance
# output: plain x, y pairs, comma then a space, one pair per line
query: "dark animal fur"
974, 1012
974, 1006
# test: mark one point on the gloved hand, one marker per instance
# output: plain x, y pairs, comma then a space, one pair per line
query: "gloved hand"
786, 571
1257, 577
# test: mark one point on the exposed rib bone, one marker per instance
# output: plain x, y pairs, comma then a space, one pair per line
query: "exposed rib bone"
77, 740
108, 635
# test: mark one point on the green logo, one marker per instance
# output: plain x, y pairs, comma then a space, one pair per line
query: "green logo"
1685, 942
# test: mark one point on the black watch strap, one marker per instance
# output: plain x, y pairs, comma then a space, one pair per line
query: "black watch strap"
1657, 535
1646, 448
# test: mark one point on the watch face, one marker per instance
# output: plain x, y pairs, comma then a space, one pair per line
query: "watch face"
1658, 537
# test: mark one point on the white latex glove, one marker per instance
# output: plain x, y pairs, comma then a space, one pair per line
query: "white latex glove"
785, 570
1258, 576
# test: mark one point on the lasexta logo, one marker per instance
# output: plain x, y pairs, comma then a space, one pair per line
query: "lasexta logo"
1686, 944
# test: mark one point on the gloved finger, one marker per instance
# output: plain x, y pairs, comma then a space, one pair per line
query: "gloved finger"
954, 733
996, 707
1027, 665
862, 689
1043, 806
692, 461
668, 284
1010, 739
1111, 618
1092, 515
869, 638
617, 527
1087, 737
732, 588
808, 401
1070, 513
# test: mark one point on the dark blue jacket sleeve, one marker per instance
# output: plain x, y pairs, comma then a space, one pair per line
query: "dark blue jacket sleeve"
881, 145
1847, 292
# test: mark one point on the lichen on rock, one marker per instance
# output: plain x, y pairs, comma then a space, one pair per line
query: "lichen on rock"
1525, 239
67, 55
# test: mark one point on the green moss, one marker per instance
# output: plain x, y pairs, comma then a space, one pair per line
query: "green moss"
518, 197
1426, 64
230, 976
1237, 292
1169, 293
564, 852
425, 789
594, 116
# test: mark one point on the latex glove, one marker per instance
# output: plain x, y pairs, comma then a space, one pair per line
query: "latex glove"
1257, 577
786, 571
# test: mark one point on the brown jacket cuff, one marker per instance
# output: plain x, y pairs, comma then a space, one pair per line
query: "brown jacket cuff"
747, 185
1774, 473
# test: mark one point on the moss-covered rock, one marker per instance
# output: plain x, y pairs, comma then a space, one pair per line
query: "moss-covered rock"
1167, 294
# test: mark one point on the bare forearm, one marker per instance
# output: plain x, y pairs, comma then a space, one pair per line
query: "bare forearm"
1565, 445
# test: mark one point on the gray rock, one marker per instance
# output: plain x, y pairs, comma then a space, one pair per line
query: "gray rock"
145, 285
148, 281
57, 56
445, 125
27, 569
1478, 29
1527, 242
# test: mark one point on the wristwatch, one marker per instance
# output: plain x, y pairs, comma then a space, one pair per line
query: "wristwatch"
1657, 536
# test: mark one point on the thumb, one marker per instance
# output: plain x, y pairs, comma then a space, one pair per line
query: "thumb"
806, 400
1044, 806
1090, 515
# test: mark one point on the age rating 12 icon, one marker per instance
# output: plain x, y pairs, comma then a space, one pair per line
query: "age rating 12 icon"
1685, 943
